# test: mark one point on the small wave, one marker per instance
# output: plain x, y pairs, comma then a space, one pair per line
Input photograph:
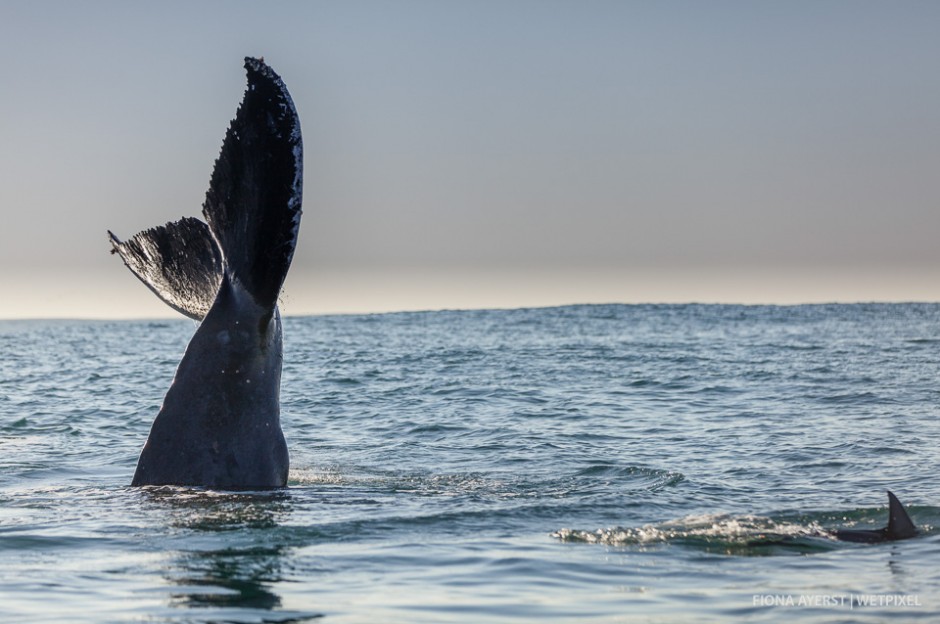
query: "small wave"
17, 424
727, 534
37, 542
343, 381
722, 527
311, 476
800, 347
466, 486
643, 478
853, 398
719, 389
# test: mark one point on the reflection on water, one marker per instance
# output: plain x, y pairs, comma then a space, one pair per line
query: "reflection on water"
239, 560
237, 578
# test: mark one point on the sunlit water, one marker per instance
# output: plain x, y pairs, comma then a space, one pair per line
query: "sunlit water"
579, 464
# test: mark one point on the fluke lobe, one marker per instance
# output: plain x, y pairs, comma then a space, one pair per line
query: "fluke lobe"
219, 426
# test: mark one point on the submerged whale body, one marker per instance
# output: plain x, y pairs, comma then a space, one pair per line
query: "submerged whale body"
900, 526
219, 426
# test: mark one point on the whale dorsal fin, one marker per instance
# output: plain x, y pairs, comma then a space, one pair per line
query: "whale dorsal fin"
900, 525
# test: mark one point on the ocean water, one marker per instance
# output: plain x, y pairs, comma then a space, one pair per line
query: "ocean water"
574, 464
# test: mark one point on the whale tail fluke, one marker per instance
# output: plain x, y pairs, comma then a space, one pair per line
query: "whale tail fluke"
178, 261
900, 525
253, 205
252, 211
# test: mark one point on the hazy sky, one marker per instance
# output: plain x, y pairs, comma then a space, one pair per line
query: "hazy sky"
600, 151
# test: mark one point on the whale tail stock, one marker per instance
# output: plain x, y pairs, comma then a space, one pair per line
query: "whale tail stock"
252, 211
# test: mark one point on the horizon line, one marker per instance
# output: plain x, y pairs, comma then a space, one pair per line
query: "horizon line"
115, 295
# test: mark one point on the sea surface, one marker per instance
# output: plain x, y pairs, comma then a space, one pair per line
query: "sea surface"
576, 464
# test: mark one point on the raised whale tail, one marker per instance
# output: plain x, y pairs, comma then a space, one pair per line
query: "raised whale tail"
252, 208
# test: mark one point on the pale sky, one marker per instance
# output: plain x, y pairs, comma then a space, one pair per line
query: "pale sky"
488, 153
